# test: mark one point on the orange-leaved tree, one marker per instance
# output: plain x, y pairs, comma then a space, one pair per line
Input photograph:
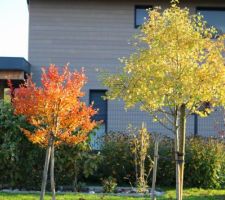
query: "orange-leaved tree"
56, 111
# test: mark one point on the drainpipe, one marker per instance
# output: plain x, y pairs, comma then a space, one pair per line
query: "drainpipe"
195, 124
2, 86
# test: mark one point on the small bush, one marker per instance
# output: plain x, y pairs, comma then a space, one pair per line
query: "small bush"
166, 174
205, 163
109, 185
117, 158
75, 164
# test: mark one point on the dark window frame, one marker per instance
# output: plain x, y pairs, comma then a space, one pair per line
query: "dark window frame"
135, 13
101, 90
208, 8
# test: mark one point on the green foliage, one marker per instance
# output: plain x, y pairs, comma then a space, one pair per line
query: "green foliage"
18, 157
166, 163
117, 158
109, 185
205, 164
75, 163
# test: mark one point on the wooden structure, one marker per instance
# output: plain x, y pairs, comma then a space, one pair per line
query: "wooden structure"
14, 69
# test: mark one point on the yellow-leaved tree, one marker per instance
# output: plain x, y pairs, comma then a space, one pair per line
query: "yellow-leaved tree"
178, 66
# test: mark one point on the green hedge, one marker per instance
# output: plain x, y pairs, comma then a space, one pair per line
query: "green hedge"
118, 160
204, 165
21, 162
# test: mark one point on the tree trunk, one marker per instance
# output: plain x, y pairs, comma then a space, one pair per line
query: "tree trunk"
176, 149
45, 172
52, 171
182, 147
155, 167
76, 172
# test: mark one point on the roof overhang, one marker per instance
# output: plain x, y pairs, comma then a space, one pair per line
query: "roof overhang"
14, 68
14, 63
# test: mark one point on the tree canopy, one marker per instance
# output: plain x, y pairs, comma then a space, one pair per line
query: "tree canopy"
178, 60
55, 108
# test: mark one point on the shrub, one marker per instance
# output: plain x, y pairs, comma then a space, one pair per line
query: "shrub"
205, 165
140, 143
109, 185
18, 157
117, 158
166, 174
75, 164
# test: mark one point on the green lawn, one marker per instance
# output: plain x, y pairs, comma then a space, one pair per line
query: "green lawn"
190, 194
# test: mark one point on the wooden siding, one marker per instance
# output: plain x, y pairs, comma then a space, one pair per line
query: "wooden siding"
12, 75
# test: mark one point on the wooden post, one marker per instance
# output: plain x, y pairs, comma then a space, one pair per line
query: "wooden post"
45, 172
182, 146
156, 155
52, 171
176, 149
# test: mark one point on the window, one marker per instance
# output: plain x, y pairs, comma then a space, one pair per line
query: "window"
140, 14
96, 96
214, 17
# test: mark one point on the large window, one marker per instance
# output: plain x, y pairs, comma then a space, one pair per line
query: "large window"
141, 14
96, 96
214, 17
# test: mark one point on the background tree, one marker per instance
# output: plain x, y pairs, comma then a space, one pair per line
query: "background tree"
177, 66
56, 112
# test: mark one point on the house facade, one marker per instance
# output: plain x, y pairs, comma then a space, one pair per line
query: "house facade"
93, 34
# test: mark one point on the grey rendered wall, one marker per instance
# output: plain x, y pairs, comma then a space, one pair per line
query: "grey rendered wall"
94, 34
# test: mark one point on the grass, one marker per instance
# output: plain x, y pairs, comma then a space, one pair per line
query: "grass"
189, 194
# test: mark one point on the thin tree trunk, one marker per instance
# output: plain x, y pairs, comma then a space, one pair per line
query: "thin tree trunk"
136, 165
45, 172
52, 171
142, 163
155, 167
76, 170
176, 144
182, 147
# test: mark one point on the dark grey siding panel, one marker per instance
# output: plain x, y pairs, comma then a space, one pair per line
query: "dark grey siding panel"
94, 34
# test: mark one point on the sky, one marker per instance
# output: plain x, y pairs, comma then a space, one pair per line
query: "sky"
14, 28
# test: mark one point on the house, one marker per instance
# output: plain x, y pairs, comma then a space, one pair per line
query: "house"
94, 34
